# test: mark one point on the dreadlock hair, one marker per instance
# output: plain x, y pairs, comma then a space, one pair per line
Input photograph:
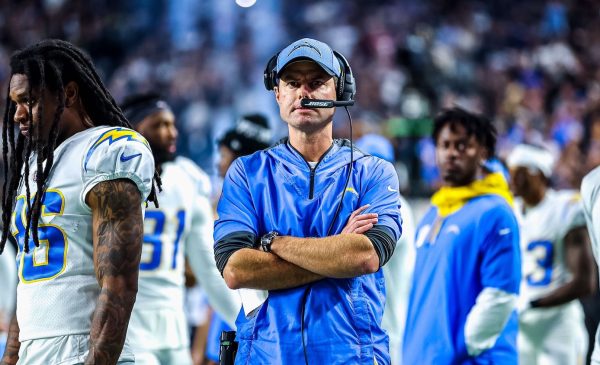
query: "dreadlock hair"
476, 125
50, 65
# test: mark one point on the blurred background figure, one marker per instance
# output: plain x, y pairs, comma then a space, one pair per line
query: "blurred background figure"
178, 231
590, 192
558, 266
468, 267
399, 269
250, 134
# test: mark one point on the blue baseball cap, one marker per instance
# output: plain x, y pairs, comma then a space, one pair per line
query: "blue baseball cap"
309, 49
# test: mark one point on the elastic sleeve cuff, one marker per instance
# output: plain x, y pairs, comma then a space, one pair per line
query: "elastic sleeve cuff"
227, 246
382, 239
487, 319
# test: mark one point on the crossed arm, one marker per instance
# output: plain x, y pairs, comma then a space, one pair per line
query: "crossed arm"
117, 233
297, 261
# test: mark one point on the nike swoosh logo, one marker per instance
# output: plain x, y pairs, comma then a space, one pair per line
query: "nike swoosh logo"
127, 158
392, 190
504, 231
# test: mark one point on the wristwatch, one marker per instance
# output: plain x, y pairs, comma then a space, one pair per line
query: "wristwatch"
266, 240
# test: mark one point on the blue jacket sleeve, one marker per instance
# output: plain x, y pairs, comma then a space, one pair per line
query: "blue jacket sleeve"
381, 191
500, 250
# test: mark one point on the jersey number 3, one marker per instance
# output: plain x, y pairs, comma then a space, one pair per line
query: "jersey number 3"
49, 259
544, 254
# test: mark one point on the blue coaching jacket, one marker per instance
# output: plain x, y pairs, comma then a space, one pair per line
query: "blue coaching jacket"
276, 189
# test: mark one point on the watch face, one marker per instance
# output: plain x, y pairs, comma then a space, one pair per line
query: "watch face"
265, 241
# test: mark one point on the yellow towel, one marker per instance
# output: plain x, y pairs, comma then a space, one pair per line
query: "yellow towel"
450, 199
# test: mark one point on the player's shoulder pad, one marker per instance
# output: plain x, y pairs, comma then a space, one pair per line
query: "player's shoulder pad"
118, 152
198, 176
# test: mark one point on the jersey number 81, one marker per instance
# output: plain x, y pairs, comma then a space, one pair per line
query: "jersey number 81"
153, 239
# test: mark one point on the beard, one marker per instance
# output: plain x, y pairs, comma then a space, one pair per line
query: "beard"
161, 155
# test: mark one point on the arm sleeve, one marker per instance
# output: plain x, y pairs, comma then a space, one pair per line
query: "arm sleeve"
199, 252
118, 153
487, 319
381, 192
500, 277
384, 244
500, 251
237, 224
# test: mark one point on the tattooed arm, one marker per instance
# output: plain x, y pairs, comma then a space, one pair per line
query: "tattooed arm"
117, 233
11, 353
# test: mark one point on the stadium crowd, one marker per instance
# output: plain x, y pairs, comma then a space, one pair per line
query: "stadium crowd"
531, 65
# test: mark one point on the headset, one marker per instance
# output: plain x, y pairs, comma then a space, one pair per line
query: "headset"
345, 88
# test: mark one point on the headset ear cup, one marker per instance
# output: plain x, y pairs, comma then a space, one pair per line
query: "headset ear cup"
269, 76
346, 85
340, 85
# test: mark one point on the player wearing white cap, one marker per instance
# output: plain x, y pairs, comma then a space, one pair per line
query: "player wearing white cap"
557, 263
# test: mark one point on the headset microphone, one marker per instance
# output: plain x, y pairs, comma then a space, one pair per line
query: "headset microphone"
320, 103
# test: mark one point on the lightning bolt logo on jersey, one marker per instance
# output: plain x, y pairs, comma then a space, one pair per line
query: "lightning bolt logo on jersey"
114, 135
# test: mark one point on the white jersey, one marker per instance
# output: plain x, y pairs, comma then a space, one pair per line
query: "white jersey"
181, 227
398, 276
57, 290
543, 230
590, 193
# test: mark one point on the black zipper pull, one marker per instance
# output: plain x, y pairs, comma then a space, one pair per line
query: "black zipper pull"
312, 183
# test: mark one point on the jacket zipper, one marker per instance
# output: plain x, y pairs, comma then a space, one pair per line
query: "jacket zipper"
311, 191
312, 182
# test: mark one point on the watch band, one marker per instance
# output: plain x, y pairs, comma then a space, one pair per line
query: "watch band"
267, 240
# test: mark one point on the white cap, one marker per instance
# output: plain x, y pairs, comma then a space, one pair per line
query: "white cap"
533, 157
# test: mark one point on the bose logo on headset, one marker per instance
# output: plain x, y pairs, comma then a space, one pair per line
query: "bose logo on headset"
317, 104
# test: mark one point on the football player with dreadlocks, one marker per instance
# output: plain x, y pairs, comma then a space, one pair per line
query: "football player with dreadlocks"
180, 229
76, 181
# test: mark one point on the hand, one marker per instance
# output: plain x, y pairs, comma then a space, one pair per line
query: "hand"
360, 223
